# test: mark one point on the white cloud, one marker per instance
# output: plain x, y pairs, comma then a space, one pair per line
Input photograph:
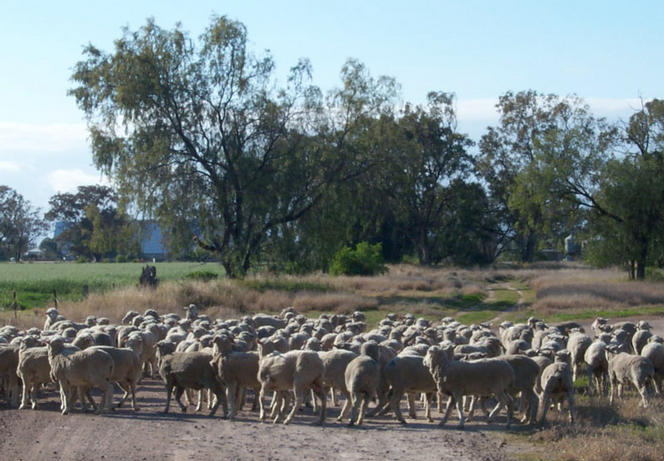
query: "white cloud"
9, 167
472, 110
35, 137
611, 108
484, 110
68, 180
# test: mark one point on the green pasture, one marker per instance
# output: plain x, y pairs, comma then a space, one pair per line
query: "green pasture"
34, 282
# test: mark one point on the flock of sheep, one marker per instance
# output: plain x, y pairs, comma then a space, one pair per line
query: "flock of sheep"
291, 361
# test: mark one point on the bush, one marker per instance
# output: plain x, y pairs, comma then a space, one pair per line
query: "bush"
365, 259
203, 276
121, 259
82, 259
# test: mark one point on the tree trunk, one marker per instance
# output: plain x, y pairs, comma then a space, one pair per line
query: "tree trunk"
641, 263
528, 252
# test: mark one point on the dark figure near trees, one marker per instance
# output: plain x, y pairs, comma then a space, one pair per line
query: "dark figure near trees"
148, 277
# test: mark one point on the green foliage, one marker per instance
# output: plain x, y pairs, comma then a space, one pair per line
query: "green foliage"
121, 259
82, 260
34, 283
210, 134
203, 276
20, 224
364, 259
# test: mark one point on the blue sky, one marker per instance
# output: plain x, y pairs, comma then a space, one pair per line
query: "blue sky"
611, 53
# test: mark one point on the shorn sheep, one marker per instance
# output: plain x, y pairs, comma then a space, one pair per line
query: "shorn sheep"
486, 377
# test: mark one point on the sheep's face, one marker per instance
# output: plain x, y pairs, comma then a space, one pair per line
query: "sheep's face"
55, 345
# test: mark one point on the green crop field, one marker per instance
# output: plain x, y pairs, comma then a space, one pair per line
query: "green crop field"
34, 282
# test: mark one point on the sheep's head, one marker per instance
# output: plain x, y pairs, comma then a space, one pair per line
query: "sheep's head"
55, 344
434, 357
52, 313
222, 344
563, 356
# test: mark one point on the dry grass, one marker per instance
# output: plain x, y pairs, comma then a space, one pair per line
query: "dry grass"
602, 432
592, 290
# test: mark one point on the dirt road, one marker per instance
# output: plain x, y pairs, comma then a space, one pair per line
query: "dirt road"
148, 435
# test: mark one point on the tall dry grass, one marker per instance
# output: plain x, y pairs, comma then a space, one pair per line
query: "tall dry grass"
602, 432
593, 289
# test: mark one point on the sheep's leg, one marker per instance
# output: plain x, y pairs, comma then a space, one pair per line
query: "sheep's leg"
199, 405
261, 406
26, 394
356, 403
497, 408
395, 404
219, 392
363, 408
105, 399
544, 404
346, 408
471, 409
448, 409
320, 392
570, 402
241, 397
132, 388
285, 402
643, 391
276, 403
254, 405
333, 395
178, 396
64, 402
411, 406
459, 407
313, 401
231, 390
611, 390
33, 397
125, 387
428, 404
299, 400
169, 393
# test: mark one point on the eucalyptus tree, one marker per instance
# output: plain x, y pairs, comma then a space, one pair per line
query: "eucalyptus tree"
199, 133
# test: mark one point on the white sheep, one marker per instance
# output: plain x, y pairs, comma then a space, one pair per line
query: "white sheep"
236, 371
597, 366
407, 373
577, 344
84, 370
295, 370
126, 373
557, 384
654, 351
362, 378
484, 377
627, 368
191, 370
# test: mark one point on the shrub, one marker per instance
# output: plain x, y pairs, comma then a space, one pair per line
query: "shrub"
121, 259
202, 276
364, 259
82, 259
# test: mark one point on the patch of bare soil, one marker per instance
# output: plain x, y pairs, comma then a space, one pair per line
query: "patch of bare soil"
149, 435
